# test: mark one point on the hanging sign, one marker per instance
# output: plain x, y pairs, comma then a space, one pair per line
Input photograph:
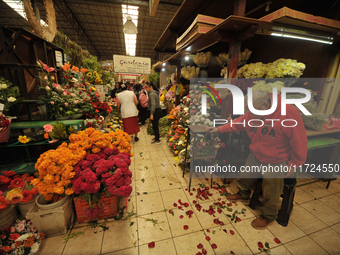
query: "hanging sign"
131, 65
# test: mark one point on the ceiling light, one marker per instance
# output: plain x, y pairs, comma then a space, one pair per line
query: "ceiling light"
267, 8
186, 58
301, 37
163, 69
129, 27
164, 64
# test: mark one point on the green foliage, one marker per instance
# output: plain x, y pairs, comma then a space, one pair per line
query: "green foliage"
164, 126
60, 131
154, 77
91, 63
72, 235
73, 50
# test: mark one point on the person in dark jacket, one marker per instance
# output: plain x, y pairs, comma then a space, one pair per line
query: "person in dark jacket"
141, 109
116, 90
155, 109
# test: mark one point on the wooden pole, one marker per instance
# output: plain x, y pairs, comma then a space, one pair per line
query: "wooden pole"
234, 51
325, 98
178, 76
335, 94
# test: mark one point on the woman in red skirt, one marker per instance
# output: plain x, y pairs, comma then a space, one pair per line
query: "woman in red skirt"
127, 108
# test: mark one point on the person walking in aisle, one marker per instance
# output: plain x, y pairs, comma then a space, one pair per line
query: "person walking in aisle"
127, 109
272, 144
142, 103
116, 90
155, 109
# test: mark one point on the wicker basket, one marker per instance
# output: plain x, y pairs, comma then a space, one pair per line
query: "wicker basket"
108, 208
4, 133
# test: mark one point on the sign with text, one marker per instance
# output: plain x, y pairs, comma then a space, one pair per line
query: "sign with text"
131, 65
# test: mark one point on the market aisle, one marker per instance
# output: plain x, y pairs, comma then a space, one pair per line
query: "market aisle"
314, 227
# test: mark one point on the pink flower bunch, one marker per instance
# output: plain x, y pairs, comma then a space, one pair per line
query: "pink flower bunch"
107, 170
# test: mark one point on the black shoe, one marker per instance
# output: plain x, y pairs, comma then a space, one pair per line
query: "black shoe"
136, 139
156, 142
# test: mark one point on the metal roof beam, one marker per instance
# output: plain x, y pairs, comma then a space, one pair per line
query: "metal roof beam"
66, 11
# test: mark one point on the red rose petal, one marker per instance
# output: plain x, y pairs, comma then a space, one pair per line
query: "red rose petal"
186, 204
194, 189
204, 251
200, 246
231, 232
185, 227
198, 253
214, 246
207, 238
186, 189
260, 245
277, 240
219, 199
208, 230
181, 216
180, 207
191, 194
175, 205
151, 245
170, 183
238, 219
225, 230
231, 252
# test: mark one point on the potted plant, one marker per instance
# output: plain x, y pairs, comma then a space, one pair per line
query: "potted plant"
59, 131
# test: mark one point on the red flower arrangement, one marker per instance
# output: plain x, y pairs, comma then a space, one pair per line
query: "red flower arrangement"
4, 122
105, 172
3, 203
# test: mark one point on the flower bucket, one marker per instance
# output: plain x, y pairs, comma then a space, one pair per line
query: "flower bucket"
25, 207
42, 203
4, 133
108, 208
8, 216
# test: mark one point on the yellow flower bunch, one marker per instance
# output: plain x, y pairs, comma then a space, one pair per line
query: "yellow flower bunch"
56, 171
268, 87
280, 68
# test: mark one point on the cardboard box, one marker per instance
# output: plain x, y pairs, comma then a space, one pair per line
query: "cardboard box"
201, 25
289, 16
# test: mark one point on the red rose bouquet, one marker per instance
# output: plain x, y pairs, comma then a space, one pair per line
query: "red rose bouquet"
104, 172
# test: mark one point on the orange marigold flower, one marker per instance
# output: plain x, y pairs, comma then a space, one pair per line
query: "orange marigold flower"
41, 235
46, 135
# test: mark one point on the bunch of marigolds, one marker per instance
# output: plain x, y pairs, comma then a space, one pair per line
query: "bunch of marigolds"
56, 167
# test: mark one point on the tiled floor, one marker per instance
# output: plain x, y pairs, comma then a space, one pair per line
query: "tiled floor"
314, 226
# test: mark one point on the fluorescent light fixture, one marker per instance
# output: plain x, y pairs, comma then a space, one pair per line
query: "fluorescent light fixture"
130, 12
163, 69
164, 64
186, 58
301, 37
